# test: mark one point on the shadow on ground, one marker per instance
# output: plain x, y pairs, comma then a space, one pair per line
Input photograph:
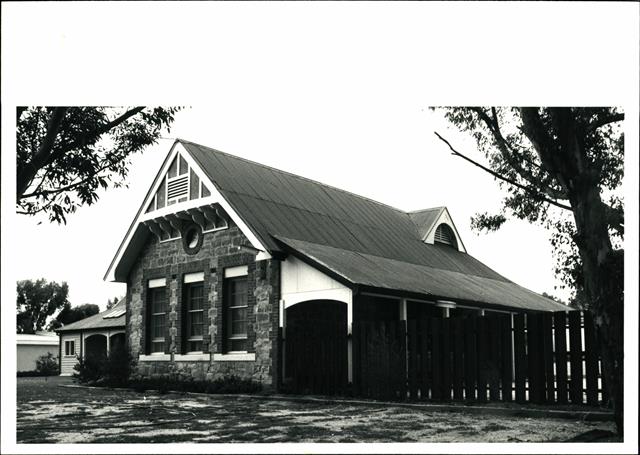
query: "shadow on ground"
47, 412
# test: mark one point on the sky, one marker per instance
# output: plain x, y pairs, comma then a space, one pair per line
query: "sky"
334, 91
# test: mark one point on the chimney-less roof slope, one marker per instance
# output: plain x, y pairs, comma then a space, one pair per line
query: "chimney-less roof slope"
99, 321
277, 203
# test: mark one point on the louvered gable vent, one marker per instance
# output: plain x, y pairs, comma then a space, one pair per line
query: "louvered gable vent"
178, 187
179, 184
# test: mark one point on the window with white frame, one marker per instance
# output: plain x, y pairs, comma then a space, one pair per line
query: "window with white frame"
70, 347
194, 299
235, 297
157, 316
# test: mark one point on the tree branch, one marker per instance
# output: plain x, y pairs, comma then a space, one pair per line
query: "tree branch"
19, 111
112, 124
615, 218
603, 121
70, 186
537, 134
94, 135
508, 153
23, 182
503, 178
43, 155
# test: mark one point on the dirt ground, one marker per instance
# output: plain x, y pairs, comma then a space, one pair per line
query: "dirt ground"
49, 413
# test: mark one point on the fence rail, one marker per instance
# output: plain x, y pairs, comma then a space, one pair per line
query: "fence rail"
533, 357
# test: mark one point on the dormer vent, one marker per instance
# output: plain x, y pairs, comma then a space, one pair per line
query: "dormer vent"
444, 235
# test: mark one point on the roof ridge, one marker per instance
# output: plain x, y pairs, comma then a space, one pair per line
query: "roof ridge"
296, 176
427, 210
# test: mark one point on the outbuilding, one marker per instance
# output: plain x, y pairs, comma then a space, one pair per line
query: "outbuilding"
96, 335
30, 347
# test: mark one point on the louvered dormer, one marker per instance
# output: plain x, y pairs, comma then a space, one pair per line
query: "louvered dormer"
435, 226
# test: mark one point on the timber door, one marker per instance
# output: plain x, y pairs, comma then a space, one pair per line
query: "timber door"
316, 347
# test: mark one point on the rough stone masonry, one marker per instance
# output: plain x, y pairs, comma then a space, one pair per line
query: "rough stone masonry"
168, 259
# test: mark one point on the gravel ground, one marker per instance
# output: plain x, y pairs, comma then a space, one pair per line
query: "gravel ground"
49, 413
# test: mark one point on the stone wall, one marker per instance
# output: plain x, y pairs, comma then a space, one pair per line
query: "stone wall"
169, 260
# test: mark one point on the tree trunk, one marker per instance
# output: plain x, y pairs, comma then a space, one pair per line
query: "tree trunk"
603, 284
564, 155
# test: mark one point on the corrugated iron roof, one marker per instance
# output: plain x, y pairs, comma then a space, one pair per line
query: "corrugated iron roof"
425, 219
37, 339
277, 203
372, 243
99, 321
390, 274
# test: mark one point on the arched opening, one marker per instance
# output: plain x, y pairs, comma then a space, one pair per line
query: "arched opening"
445, 236
316, 358
95, 346
117, 344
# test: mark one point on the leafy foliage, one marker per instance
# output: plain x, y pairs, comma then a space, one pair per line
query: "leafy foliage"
561, 167
535, 190
69, 314
112, 370
37, 301
66, 154
47, 365
90, 368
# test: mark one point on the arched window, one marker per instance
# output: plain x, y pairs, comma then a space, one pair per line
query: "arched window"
444, 235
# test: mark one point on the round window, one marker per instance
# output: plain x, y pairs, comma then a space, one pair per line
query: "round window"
192, 239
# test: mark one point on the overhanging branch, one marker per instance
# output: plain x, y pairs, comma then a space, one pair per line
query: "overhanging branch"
602, 121
529, 190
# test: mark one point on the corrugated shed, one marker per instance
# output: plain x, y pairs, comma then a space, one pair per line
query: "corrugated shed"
99, 321
384, 273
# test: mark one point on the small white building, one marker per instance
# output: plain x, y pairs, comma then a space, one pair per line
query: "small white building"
31, 347
95, 335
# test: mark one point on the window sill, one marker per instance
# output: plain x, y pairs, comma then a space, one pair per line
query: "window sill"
200, 357
155, 358
240, 357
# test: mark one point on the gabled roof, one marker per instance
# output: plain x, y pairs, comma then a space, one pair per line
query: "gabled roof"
425, 219
287, 212
102, 320
277, 203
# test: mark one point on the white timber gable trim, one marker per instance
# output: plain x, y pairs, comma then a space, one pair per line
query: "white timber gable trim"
214, 198
444, 218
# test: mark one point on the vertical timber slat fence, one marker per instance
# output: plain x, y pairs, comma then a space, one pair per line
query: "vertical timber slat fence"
532, 357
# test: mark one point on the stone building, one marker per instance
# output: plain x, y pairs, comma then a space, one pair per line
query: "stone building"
224, 254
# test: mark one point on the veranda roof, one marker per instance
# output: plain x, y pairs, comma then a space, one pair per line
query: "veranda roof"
386, 274
114, 317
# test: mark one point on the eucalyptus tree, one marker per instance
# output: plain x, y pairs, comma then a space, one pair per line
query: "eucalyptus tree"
66, 154
562, 167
